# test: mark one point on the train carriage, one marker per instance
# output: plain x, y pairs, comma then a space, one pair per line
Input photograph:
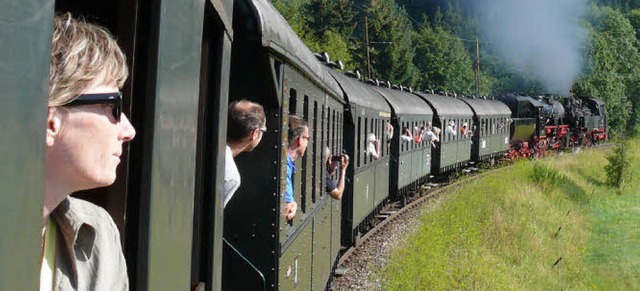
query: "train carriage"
153, 201
491, 128
454, 149
366, 112
413, 157
262, 250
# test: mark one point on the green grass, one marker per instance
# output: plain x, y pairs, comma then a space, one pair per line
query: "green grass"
509, 229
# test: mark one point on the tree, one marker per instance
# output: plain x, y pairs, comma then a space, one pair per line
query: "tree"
333, 23
337, 47
614, 65
392, 49
618, 166
294, 12
443, 62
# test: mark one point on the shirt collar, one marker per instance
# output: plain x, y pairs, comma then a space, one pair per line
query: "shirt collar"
290, 162
77, 230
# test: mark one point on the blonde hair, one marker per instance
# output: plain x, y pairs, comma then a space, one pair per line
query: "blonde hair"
82, 52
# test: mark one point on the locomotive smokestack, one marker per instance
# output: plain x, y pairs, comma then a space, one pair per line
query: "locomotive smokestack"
541, 38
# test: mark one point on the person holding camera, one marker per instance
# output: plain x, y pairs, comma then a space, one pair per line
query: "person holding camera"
335, 191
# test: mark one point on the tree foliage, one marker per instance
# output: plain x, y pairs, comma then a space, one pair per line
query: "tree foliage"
618, 167
440, 52
443, 61
391, 52
613, 62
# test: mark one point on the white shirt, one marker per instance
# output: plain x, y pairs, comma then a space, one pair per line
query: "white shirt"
231, 177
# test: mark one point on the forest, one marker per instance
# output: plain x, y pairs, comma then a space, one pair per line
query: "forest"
485, 47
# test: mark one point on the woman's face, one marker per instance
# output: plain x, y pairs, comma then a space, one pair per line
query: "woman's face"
87, 149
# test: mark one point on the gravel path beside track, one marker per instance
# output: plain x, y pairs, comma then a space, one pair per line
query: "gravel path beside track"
365, 264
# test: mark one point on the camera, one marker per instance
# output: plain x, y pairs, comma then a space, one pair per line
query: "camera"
336, 158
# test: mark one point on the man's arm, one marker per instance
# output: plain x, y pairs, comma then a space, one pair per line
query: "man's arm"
339, 190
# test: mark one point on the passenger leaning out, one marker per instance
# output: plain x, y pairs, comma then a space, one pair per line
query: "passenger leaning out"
85, 133
298, 141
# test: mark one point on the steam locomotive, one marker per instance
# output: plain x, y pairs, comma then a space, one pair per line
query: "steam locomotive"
188, 60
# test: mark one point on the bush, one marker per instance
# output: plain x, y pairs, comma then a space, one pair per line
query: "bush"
545, 176
618, 168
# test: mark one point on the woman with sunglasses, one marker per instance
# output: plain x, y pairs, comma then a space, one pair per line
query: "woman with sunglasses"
84, 136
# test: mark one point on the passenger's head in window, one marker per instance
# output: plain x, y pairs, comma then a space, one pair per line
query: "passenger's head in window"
406, 135
373, 146
85, 125
298, 137
298, 141
451, 128
85, 133
388, 131
246, 124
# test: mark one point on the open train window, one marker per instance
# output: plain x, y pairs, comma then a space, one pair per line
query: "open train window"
340, 135
383, 137
366, 140
315, 173
293, 101
372, 130
359, 138
323, 144
305, 160
482, 127
333, 133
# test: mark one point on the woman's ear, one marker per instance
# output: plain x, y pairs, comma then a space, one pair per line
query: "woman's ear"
54, 123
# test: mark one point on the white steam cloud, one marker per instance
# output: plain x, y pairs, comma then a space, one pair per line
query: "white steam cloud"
542, 38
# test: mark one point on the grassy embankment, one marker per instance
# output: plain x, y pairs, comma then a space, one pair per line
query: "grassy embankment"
545, 225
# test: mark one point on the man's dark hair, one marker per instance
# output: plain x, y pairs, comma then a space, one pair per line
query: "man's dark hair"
296, 127
244, 116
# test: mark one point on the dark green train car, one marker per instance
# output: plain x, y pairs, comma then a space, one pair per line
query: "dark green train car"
272, 66
166, 200
366, 113
491, 128
412, 164
454, 148
24, 58
526, 115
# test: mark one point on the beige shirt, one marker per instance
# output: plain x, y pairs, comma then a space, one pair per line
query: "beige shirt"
88, 255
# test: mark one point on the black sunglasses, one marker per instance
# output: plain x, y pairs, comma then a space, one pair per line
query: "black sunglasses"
114, 98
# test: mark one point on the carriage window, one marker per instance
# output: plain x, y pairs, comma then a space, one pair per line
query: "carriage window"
305, 160
493, 126
424, 141
340, 128
359, 144
293, 100
380, 136
315, 175
366, 140
334, 136
390, 140
329, 129
482, 127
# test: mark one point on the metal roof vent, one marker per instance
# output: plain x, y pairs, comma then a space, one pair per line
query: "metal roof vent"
355, 74
337, 65
323, 57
